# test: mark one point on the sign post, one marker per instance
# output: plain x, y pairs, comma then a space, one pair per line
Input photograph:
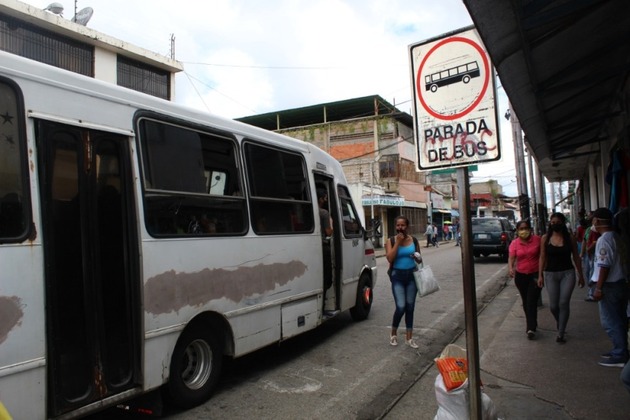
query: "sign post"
456, 126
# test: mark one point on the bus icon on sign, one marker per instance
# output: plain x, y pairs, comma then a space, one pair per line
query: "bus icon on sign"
462, 73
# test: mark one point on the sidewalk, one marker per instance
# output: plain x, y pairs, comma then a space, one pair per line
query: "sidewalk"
539, 378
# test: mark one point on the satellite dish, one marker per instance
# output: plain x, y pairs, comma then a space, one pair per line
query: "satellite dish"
56, 8
83, 16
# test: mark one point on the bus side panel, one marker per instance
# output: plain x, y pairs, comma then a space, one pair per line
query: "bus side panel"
254, 328
22, 331
298, 317
246, 279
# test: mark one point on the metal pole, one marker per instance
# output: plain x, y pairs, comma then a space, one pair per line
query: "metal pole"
533, 189
519, 157
542, 202
470, 295
372, 200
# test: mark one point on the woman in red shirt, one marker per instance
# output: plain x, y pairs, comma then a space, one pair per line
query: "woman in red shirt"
525, 252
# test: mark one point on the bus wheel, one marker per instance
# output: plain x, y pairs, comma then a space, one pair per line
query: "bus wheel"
195, 368
363, 304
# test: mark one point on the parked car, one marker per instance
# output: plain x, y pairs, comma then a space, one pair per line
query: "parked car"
491, 235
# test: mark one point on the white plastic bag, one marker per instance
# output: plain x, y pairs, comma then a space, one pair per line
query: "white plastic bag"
454, 405
425, 281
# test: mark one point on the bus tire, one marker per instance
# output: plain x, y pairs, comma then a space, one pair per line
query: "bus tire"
195, 368
364, 299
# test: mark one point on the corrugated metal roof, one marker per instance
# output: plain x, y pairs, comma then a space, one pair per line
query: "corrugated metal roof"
563, 65
363, 107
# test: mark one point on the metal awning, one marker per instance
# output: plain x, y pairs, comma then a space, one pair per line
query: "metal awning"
564, 65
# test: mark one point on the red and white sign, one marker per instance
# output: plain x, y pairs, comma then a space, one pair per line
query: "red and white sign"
455, 117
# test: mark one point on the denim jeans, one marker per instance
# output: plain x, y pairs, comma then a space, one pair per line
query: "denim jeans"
612, 314
587, 270
404, 290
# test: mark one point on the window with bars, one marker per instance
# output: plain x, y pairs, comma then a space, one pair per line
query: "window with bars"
143, 78
26, 40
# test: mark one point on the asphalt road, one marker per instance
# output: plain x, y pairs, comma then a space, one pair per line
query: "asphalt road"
348, 370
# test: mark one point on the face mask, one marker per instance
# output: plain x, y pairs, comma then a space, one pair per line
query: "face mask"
556, 227
524, 234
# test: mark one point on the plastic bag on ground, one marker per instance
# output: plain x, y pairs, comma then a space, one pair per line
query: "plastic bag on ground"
454, 405
451, 390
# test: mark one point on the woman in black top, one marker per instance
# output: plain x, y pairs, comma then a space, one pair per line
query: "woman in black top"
558, 261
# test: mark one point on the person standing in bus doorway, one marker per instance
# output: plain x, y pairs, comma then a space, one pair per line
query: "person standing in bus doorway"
524, 254
558, 263
326, 234
403, 253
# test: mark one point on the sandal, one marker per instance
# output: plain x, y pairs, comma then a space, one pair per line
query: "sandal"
393, 340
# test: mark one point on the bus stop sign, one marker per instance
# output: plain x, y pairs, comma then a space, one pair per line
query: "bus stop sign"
455, 114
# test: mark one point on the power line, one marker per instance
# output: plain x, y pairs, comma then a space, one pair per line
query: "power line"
265, 67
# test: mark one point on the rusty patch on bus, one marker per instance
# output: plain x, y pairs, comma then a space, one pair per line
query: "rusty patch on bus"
171, 291
10, 315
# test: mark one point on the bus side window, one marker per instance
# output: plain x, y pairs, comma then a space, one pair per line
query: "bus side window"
351, 221
14, 199
278, 186
190, 177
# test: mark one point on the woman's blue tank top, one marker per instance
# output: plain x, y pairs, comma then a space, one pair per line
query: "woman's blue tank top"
403, 260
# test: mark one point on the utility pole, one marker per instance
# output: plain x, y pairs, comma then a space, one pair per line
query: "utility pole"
519, 157
542, 201
530, 161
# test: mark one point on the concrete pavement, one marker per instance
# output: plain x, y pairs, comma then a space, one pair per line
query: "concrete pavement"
527, 379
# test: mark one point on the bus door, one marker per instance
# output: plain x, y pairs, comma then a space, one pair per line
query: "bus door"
352, 247
91, 268
330, 246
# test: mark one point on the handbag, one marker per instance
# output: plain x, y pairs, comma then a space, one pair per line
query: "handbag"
425, 280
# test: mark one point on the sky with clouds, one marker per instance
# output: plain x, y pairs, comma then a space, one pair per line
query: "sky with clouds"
246, 57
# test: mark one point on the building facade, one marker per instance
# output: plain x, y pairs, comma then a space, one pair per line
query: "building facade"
49, 38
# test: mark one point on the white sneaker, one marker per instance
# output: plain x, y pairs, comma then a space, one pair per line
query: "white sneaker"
393, 340
411, 343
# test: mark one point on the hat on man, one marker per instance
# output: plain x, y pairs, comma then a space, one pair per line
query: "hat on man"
603, 213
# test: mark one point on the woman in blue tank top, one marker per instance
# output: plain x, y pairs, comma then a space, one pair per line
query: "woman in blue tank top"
400, 252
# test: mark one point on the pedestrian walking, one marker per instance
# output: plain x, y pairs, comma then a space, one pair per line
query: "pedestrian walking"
558, 264
588, 256
434, 237
403, 253
523, 262
611, 288
429, 234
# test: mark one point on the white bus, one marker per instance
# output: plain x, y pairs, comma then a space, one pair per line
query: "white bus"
141, 242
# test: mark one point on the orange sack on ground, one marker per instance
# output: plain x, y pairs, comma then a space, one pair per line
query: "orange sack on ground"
454, 371
453, 366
